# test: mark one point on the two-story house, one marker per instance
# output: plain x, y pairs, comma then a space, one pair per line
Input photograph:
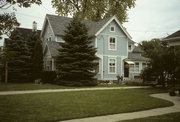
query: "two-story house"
110, 38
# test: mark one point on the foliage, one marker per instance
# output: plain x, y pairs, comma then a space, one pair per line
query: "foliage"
76, 61
8, 20
17, 57
164, 63
94, 9
48, 76
7, 23
36, 54
21, 3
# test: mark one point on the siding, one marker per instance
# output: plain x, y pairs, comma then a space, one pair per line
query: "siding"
118, 54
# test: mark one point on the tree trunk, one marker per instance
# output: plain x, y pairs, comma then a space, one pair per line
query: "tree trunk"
6, 72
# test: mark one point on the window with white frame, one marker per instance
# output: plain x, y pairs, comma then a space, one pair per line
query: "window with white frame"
112, 28
131, 68
112, 65
98, 67
136, 68
112, 43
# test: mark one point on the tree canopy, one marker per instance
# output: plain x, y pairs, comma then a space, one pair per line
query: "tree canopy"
8, 20
94, 9
164, 59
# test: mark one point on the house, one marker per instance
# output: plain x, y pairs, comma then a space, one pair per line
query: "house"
173, 39
135, 63
25, 32
110, 38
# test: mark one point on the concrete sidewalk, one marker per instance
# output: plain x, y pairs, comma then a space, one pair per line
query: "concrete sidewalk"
140, 114
67, 90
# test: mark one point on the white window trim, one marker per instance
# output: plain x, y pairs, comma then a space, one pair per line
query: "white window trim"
135, 68
109, 67
114, 28
115, 43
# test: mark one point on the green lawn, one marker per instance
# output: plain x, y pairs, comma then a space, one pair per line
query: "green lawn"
32, 86
173, 117
69, 105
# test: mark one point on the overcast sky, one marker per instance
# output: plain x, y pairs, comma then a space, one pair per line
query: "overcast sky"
149, 19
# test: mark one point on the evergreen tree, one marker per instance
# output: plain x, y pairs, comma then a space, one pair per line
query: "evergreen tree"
37, 60
34, 42
17, 58
76, 60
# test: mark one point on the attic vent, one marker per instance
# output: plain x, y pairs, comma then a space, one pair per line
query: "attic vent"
112, 28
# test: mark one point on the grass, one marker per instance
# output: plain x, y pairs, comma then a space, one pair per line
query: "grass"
173, 117
68, 105
32, 86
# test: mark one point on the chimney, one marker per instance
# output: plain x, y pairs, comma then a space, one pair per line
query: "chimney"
34, 26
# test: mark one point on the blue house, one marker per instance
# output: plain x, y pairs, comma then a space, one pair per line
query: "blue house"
110, 38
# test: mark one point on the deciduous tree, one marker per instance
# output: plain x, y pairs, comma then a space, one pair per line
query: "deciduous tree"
94, 9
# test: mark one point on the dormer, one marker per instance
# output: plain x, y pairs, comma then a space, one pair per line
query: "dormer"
131, 45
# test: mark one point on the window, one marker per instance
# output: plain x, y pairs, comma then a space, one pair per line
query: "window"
112, 65
98, 67
112, 43
129, 47
112, 29
50, 39
131, 68
143, 65
136, 68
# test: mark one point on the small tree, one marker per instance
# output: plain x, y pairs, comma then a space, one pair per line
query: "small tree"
76, 60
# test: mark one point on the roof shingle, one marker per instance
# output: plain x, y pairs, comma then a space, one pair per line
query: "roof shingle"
59, 24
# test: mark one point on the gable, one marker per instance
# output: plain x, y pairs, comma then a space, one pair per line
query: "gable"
47, 52
118, 23
117, 30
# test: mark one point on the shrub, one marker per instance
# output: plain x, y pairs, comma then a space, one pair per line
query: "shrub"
48, 76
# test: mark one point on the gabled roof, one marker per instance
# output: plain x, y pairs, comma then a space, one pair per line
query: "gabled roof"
26, 31
58, 24
137, 50
131, 41
174, 35
137, 57
53, 48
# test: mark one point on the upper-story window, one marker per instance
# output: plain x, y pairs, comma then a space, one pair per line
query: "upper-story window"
112, 28
49, 38
112, 43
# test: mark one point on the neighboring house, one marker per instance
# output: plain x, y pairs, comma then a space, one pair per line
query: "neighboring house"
135, 62
110, 38
173, 39
25, 32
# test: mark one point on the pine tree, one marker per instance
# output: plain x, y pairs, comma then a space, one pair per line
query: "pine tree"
35, 53
37, 60
17, 58
76, 60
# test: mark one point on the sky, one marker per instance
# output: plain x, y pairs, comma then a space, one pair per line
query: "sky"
149, 19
